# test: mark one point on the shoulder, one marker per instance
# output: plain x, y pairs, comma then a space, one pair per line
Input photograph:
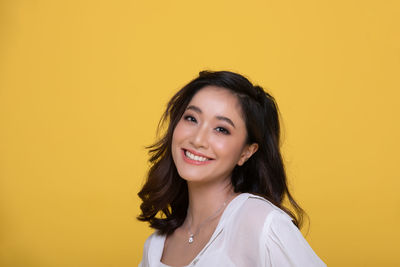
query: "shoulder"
271, 219
280, 239
257, 207
148, 241
255, 215
153, 240
152, 248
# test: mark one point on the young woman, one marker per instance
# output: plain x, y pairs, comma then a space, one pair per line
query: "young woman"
215, 189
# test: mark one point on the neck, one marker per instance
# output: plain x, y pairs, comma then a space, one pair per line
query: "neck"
205, 200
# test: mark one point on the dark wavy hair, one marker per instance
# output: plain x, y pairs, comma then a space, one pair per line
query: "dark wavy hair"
165, 194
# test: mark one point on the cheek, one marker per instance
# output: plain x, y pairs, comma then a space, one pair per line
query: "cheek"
176, 137
229, 149
179, 132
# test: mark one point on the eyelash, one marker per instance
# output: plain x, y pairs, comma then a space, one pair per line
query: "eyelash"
189, 118
218, 129
223, 130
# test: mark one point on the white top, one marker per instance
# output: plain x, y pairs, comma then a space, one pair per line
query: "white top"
251, 232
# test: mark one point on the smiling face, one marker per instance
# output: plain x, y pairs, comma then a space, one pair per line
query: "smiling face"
210, 138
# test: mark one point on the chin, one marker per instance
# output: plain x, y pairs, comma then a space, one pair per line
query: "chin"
189, 177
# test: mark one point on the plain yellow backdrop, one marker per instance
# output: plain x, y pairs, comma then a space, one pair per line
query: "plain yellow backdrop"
84, 83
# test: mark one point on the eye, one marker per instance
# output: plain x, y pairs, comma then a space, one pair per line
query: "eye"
222, 130
189, 118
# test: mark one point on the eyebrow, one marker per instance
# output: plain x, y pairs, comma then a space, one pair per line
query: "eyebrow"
222, 118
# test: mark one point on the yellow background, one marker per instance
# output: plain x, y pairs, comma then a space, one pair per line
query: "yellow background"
83, 84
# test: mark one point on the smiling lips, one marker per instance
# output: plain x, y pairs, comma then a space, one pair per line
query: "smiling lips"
195, 158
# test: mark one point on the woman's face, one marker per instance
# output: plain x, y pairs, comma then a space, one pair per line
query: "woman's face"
210, 138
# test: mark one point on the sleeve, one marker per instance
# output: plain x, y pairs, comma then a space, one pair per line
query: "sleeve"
284, 245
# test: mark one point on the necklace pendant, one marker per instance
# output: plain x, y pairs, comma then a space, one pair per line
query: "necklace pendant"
191, 239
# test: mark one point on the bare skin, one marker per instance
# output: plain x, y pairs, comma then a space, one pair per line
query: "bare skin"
212, 130
204, 202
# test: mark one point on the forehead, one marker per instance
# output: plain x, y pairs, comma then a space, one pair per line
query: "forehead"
216, 101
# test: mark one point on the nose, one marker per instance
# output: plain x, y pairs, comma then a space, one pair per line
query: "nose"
200, 138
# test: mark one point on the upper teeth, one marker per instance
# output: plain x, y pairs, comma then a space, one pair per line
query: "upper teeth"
194, 157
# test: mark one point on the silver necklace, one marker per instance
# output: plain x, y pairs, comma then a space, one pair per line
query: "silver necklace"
192, 235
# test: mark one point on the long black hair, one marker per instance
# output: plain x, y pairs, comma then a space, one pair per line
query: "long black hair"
165, 194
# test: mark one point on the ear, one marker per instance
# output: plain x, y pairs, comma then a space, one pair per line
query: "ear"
247, 152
